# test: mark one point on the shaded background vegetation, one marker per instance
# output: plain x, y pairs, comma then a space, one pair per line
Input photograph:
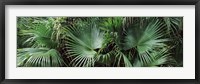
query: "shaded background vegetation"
100, 41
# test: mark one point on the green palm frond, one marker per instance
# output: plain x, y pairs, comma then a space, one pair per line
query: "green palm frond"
112, 24
82, 42
156, 58
105, 59
40, 35
145, 39
174, 24
121, 57
39, 57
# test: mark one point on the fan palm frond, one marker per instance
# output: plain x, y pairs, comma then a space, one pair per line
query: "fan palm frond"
83, 42
156, 58
40, 35
146, 38
39, 57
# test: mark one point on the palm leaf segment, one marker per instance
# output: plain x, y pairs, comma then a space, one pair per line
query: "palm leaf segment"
145, 40
82, 43
157, 58
39, 57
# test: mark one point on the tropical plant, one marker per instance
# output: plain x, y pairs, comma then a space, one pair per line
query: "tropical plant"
100, 41
39, 57
83, 41
43, 51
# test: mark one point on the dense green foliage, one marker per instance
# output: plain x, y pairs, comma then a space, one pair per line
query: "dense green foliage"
100, 41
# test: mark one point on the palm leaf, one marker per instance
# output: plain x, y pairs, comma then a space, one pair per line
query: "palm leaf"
40, 35
146, 38
39, 57
156, 58
82, 42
